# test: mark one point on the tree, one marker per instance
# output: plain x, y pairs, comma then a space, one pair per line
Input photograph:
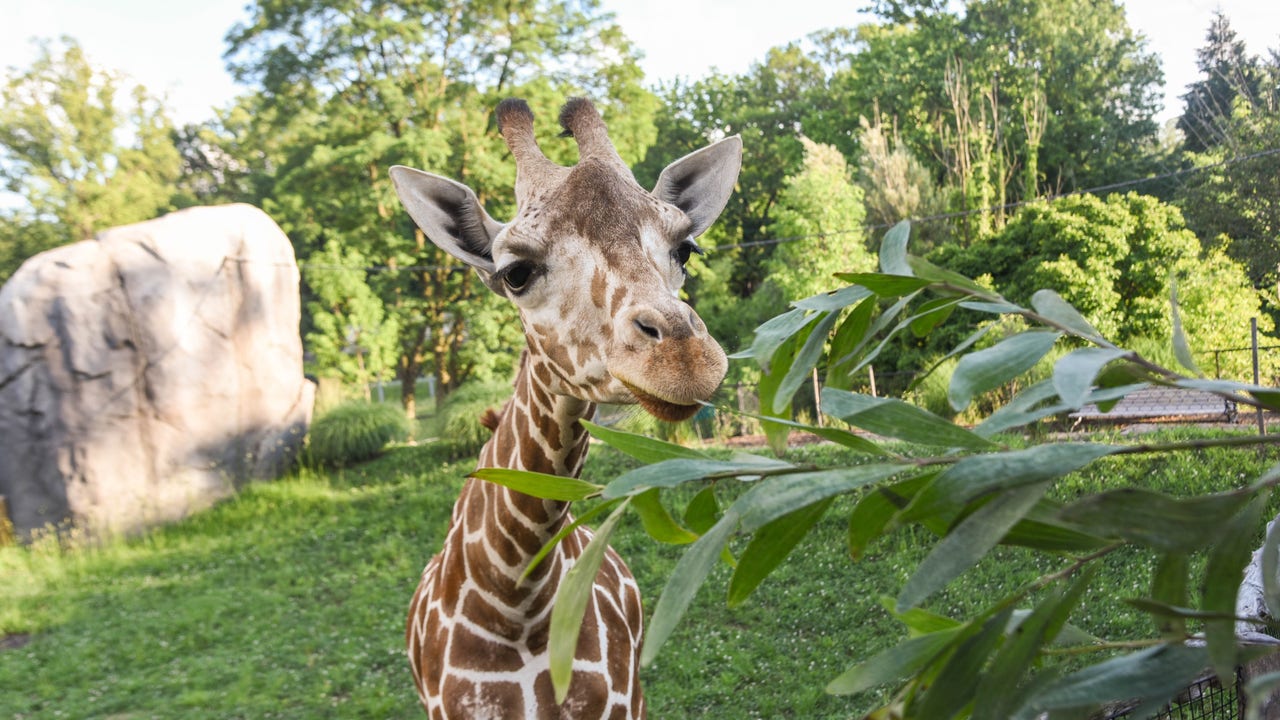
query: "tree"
352, 337
352, 87
819, 226
1232, 201
83, 158
1228, 72
1115, 260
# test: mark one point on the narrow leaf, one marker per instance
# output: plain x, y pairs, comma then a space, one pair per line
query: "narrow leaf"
885, 286
550, 545
689, 574
1155, 674
1181, 348
873, 512
892, 665
990, 368
770, 499
919, 621
773, 332
835, 300
955, 684
805, 360
978, 475
657, 521
930, 314
893, 250
1074, 373
671, 473
641, 447
1051, 305
540, 485
897, 419
571, 604
1222, 575
850, 334
702, 512
968, 543
1169, 586
770, 545
924, 269
1155, 520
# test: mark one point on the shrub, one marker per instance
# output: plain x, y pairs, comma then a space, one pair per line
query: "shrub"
461, 412
354, 431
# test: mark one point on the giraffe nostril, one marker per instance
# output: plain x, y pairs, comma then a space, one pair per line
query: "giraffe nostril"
648, 329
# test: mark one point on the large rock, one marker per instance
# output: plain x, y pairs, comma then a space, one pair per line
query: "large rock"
151, 371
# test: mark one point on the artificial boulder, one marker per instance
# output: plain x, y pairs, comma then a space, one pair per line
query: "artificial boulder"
150, 371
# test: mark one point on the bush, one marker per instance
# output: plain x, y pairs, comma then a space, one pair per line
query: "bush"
353, 432
461, 412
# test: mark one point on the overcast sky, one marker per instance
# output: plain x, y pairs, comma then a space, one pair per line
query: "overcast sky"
174, 47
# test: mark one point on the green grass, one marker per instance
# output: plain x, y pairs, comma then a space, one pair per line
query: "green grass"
288, 601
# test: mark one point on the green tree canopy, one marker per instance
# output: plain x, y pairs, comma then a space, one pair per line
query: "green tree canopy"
81, 156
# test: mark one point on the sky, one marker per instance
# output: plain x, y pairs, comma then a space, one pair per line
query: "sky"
174, 47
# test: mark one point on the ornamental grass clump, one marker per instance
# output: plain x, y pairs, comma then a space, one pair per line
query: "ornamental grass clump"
353, 432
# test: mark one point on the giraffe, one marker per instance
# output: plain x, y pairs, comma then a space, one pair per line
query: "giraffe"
594, 264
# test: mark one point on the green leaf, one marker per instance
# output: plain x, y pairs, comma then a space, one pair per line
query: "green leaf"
893, 250
703, 512
1153, 674
1169, 586
881, 322
930, 314
892, 665
957, 680
835, 435
1051, 535
772, 333
1225, 566
1270, 566
1165, 610
978, 475
540, 485
1074, 373
835, 299
1051, 305
805, 360
990, 368
1181, 348
657, 521
968, 543
643, 448
924, 269
997, 696
770, 545
1155, 520
571, 604
671, 473
872, 513
851, 334
919, 621
897, 419
550, 545
885, 286
770, 499
689, 574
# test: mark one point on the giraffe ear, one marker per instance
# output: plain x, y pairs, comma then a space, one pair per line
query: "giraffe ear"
451, 216
700, 183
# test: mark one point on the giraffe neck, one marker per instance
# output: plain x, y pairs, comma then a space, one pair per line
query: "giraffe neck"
538, 431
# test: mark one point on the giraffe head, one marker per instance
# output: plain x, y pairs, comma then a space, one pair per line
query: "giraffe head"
593, 261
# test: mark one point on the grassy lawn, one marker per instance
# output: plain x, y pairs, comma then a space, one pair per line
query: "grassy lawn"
288, 602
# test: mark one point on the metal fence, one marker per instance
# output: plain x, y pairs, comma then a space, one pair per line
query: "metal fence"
1204, 699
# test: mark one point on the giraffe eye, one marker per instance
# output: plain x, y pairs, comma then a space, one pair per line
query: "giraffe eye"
516, 276
687, 248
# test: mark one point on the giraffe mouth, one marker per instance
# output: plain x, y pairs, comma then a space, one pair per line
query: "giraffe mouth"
662, 409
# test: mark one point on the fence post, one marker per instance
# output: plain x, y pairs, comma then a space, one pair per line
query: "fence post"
871, 372
6, 527
817, 399
1253, 332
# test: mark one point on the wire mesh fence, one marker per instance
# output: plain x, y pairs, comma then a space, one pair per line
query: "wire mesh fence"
1204, 699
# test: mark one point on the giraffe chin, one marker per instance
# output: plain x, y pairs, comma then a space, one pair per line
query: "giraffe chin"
662, 409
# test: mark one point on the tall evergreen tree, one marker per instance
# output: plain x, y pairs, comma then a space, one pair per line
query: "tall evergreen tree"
1228, 72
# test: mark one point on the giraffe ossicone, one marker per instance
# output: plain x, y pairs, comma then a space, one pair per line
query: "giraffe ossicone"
594, 264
